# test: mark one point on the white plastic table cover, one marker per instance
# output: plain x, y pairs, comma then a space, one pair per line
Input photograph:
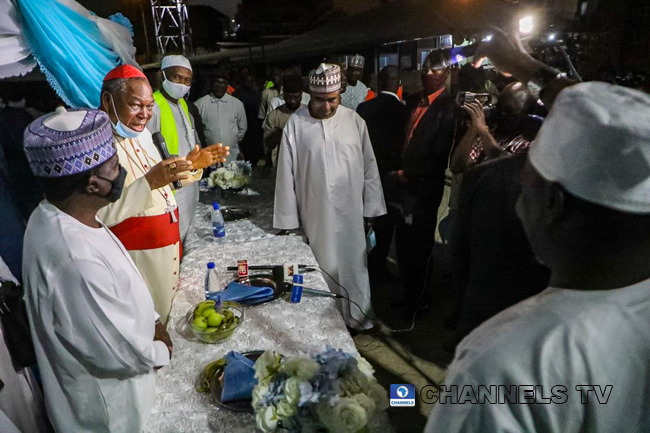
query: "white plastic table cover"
279, 325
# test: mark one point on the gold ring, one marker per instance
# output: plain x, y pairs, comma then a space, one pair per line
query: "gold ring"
172, 166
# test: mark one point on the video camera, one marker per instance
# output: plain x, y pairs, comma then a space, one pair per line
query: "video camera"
484, 99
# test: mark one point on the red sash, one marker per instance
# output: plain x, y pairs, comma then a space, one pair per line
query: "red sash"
148, 232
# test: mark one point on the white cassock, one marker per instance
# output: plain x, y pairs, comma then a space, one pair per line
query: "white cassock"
328, 180
93, 324
142, 221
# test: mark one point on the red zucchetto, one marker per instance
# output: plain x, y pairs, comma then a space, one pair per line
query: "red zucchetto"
124, 72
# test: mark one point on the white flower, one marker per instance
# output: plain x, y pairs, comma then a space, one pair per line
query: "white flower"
228, 175
366, 402
259, 392
354, 383
292, 389
301, 366
347, 416
365, 367
379, 395
267, 419
211, 183
266, 366
286, 409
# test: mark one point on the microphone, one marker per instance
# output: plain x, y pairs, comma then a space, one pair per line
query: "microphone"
278, 277
159, 142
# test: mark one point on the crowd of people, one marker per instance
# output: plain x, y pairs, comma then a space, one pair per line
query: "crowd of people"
548, 227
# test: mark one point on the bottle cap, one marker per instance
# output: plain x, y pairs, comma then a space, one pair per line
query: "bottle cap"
210, 265
215, 205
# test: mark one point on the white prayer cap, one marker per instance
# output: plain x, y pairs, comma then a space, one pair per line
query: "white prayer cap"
596, 144
175, 60
325, 79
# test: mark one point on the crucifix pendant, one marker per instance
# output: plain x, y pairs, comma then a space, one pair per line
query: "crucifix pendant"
170, 209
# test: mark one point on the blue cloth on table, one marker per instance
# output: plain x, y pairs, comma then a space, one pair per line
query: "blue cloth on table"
238, 378
245, 294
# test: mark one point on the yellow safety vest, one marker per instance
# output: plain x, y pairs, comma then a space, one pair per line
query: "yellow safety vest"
167, 123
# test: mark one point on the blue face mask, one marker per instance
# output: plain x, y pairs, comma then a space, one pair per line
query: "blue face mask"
121, 129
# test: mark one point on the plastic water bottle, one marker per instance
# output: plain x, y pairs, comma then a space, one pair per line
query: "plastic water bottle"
213, 285
218, 224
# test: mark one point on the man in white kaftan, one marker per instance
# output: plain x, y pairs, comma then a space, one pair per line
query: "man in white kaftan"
94, 327
328, 180
356, 92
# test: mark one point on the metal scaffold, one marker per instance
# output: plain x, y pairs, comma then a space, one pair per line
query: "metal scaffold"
172, 26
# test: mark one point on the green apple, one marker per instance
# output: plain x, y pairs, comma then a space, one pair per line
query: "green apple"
207, 312
215, 319
200, 323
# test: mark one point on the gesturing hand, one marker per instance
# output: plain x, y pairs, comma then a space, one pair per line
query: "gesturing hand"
202, 158
168, 171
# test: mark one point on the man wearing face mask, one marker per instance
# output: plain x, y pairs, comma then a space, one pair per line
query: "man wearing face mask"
146, 219
172, 118
429, 138
328, 181
96, 334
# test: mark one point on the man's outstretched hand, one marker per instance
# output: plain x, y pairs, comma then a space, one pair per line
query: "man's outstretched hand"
202, 158
508, 55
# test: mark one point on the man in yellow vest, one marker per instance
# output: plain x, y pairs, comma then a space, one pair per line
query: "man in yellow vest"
172, 118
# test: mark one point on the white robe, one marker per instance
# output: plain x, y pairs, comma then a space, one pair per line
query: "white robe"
93, 322
328, 180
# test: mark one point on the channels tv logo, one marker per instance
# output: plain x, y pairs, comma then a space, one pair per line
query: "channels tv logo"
402, 395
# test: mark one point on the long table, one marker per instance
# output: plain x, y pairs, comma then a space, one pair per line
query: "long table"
288, 328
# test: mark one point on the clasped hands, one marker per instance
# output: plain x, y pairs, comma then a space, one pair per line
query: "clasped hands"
176, 168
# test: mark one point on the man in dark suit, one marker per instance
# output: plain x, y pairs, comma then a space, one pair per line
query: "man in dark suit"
493, 264
429, 139
386, 117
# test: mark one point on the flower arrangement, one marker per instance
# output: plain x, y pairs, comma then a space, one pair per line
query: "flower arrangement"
233, 175
331, 391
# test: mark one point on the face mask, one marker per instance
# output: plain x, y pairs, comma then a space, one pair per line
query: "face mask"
117, 185
121, 129
175, 90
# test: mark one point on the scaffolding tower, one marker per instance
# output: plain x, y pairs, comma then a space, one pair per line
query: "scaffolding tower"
172, 25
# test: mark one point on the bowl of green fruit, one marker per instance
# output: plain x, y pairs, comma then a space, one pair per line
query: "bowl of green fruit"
213, 325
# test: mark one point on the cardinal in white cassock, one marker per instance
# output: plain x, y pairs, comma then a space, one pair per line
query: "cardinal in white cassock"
328, 181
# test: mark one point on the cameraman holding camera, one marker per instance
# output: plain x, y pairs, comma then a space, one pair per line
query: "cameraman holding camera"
508, 136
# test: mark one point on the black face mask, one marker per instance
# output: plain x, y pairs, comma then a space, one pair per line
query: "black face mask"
117, 185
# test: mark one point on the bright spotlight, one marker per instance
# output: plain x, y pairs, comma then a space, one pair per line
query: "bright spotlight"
488, 38
551, 37
526, 25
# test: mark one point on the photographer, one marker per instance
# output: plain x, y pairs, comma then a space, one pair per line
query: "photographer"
508, 136
585, 207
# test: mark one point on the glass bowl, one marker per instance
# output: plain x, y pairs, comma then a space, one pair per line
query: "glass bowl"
216, 336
